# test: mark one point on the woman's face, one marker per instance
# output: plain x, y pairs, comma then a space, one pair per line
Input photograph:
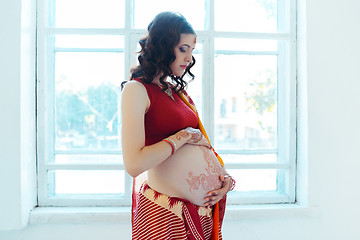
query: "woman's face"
183, 53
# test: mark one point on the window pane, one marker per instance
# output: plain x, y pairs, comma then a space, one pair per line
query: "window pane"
87, 182
245, 102
87, 100
193, 11
231, 44
246, 15
255, 179
88, 158
89, 13
89, 41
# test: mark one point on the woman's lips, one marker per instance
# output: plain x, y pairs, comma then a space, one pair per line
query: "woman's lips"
183, 66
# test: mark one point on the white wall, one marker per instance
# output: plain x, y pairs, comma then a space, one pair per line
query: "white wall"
10, 114
17, 106
329, 95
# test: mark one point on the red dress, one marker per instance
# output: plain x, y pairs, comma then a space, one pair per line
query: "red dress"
155, 215
164, 116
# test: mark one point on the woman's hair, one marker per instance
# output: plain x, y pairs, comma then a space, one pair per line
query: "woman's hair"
157, 49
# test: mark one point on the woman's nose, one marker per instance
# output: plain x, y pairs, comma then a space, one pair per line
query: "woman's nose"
188, 58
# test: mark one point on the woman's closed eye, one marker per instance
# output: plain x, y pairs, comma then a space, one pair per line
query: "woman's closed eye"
182, 49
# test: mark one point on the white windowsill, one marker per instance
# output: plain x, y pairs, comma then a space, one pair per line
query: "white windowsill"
43, 215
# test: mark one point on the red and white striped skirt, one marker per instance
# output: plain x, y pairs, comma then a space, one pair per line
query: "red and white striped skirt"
160, 217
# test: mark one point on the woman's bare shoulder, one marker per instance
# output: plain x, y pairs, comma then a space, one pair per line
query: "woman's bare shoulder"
134, 89
135, 92
134, 86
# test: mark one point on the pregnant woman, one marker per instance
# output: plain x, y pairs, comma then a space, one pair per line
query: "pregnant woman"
184, 192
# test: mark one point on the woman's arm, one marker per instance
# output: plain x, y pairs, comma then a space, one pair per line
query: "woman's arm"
137, 157
228, 184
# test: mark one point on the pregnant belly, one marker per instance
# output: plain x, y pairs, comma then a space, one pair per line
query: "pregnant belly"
190, 173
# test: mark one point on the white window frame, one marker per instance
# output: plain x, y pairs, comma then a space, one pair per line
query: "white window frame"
286, 105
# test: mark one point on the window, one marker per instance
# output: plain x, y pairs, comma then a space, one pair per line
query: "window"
244, 89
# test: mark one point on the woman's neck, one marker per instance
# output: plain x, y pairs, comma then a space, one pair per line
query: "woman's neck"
156, 80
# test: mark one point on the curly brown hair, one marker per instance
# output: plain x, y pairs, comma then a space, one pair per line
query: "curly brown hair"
157, 50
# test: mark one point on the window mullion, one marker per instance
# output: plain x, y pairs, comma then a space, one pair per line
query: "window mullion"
287, 102
293, 108
118, 50
85, 31
81, 166
274, 165
235, 52
248, 152
92, 152
49, 116
253, 35
86, 201
208, 71
46, 101
129, 49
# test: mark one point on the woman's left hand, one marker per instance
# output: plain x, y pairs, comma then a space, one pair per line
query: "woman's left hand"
216, 195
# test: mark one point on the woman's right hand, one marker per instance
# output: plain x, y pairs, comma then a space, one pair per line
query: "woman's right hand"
193, 136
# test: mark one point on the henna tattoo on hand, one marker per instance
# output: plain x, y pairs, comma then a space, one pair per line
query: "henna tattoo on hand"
182, 134
196, 134
196, 137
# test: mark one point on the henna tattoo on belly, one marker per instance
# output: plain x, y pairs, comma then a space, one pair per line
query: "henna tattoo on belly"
209, 180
